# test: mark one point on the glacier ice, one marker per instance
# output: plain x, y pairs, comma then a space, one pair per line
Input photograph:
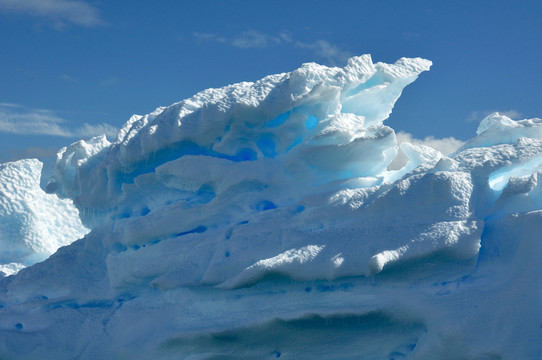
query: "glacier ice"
33, 224
261, 220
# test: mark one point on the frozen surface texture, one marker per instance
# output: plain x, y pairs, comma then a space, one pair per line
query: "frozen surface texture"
33, 224
260, 221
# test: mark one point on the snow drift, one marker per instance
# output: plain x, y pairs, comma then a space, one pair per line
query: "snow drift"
260, 220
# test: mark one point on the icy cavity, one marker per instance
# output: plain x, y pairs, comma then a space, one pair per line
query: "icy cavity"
259, 221
33, 224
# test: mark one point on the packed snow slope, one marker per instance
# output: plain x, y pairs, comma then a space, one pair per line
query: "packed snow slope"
260, 221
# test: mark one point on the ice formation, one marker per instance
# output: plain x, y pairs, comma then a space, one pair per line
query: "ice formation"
33, 224
260, 220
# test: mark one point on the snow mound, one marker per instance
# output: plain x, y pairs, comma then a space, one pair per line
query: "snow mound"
33, 224
260, 220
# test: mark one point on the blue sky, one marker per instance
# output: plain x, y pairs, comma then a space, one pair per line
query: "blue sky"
75, 68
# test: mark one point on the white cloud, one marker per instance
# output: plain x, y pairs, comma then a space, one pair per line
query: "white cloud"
68, 78
3, 104
326, 50
15, 119
445, 145
245, 40
77, 12
31, 123
87, 130
478, 115
210, 37
110, 81
256, 39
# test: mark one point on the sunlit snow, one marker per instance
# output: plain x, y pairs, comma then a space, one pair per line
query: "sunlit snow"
262, 220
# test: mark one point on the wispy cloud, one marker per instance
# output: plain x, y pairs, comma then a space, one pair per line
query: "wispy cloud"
245, 40
60, 12
68, 78
16, 119
110, 81
478, 115
37, 122
210, 37
327, 51
88, 130
9, 105
255, 39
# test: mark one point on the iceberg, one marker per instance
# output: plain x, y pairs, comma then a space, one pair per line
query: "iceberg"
262, 220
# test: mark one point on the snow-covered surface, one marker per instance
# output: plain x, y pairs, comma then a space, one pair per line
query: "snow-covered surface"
33, 224
260, 220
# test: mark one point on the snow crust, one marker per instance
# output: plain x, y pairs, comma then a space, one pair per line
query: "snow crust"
260, 220
33, 224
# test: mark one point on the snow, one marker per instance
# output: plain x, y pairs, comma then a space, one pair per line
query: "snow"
33, 224
263, 220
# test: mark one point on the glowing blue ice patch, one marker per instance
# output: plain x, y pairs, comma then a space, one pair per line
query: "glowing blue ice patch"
279, 120
267, 146
311, 122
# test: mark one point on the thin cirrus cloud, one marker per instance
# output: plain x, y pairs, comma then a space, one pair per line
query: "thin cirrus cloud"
69, 78
255, 39
16, 119
60, 12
